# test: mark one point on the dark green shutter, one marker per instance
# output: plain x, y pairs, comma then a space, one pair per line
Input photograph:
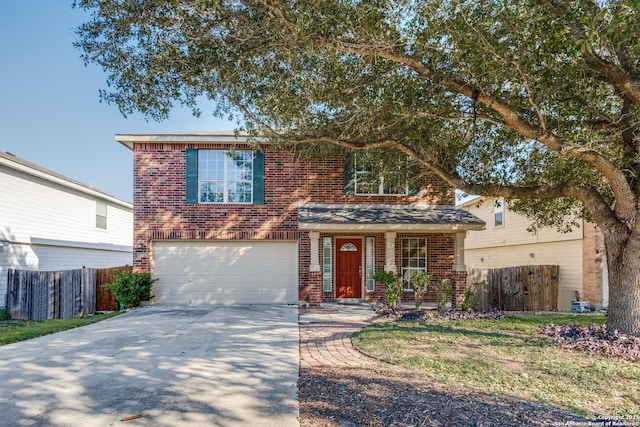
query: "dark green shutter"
349, 174
258, 177
192, 175
415, 179
414, 187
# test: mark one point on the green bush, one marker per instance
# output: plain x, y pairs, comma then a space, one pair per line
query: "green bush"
392, 286
5, 313
131, 288
470, 295
444, 292
419, 282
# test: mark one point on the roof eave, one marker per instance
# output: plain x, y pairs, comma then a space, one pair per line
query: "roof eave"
38, 172
222, 137
383, 227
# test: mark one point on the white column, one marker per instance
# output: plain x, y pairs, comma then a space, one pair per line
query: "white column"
458, 262
390, 251
314, 237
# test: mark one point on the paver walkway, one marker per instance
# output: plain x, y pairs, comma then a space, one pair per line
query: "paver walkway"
325, 335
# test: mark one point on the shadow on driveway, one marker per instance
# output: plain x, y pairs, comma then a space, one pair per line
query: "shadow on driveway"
160, 366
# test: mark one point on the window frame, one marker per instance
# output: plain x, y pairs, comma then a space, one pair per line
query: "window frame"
327, 264
102, 217
228, 181
370, 263
357, 183
498, 213
405, 269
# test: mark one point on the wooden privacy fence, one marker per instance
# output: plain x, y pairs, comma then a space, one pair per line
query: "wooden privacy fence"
522, 288
106, 300
42, 295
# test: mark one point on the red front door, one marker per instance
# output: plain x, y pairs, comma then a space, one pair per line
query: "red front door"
348, 268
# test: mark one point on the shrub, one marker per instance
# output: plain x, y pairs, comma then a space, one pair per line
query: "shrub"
5, 313
131, 288
392, 286
419, 282
470, 295
444, 292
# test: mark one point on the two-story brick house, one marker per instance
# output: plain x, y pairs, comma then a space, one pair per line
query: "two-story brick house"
218, 221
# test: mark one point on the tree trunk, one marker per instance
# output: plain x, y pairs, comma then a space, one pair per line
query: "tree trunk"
623, 260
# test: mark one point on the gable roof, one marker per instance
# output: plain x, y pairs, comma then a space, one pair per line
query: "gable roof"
16, 163
386, 217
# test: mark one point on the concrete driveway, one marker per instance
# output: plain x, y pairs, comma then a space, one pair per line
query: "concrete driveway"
158, 366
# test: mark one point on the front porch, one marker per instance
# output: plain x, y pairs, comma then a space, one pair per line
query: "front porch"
347, 244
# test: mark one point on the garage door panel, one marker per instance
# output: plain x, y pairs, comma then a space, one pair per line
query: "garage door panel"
234, 272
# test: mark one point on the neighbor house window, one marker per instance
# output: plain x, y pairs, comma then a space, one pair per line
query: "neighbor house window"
370, 260
364, 177
101, 214
327, 249
414, 258
498, 212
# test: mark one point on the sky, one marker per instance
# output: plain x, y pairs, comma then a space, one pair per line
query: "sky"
50, 111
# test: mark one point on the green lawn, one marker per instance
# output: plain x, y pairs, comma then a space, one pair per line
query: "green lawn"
19, 330
509, 357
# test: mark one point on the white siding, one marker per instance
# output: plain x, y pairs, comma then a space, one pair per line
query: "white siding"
567, 255
32, 207
47, 225
512, 245
513, 232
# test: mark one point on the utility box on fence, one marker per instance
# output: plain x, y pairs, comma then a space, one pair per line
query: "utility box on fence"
580, 307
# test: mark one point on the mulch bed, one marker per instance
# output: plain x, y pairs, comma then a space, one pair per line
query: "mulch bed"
392, 396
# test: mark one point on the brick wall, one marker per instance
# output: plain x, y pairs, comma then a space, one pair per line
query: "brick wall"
160, 211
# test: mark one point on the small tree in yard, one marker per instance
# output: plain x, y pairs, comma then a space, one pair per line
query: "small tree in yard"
419, 282
392, 286
534, 101
444, 292
131, 288
470, 295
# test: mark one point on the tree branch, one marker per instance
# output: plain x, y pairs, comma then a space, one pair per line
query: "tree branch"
511, 120
627, 86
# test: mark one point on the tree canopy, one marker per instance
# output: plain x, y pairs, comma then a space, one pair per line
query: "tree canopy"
532, 100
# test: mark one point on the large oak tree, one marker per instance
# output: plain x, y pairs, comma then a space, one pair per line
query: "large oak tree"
532, 100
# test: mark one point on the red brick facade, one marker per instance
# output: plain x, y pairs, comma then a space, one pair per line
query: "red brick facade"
160, 210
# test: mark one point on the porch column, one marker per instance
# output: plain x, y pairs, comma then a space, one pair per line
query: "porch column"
459, 273
458, 261
314, 237
390, 251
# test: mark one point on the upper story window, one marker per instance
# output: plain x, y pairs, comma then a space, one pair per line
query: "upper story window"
224, 176
498, 212
101, 214
365, 175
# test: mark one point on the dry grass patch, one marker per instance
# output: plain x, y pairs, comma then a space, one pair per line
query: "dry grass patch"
509, 357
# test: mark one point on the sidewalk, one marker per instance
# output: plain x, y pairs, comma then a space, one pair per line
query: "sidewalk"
325, 335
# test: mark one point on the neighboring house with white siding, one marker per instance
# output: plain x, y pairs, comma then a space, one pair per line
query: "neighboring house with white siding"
51, 222
505, 242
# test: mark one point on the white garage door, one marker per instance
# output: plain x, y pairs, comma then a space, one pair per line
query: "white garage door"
231, 272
